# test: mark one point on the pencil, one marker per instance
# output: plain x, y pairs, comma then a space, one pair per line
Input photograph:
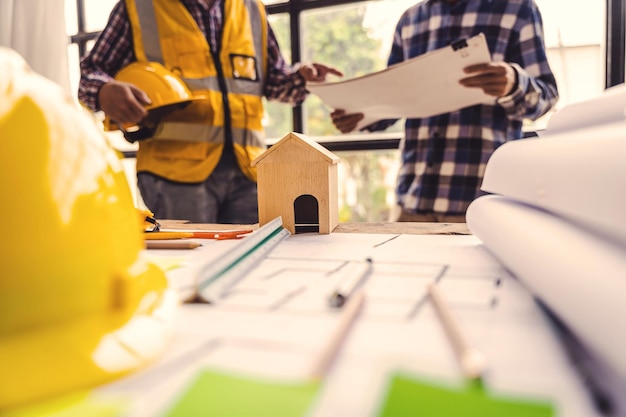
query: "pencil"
470, 359
168, 244
348, 314
167, 235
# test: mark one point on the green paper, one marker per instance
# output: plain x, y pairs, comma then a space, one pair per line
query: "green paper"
410, 397
73, 405
215, 394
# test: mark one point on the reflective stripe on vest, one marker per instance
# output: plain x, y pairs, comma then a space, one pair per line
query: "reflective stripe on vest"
203, 133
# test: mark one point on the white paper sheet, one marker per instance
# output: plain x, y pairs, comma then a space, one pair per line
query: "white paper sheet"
420, 87
275, 322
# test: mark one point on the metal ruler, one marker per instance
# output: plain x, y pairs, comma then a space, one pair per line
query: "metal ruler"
216, 278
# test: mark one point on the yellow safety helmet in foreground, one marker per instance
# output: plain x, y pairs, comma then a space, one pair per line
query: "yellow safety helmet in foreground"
166, 90
78, 307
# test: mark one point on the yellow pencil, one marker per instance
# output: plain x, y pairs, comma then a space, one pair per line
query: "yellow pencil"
183, 244
167, 235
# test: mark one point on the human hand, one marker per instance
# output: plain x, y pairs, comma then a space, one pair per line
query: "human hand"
317, 72
123, 102
344, 122
496, 79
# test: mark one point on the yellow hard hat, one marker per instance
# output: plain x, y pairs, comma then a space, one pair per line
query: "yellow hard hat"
166, 90
78, 306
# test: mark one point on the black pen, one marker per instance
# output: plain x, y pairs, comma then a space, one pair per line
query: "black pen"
356, 274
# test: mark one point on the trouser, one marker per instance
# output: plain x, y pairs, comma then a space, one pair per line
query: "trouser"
397, 214
226, 196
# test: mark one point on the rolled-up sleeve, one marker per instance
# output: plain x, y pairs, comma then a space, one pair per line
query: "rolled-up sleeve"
112, 51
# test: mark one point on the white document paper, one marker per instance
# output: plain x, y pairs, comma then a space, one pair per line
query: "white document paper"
420, 87
275, 323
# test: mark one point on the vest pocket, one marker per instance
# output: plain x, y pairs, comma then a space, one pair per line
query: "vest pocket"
189, 55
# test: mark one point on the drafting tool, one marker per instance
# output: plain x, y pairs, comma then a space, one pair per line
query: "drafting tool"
356, 274
217, 277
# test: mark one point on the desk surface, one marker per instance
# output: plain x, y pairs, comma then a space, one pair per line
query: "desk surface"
411, 228
255, 347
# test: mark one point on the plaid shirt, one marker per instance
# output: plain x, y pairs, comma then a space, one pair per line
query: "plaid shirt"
114, 50
444, 157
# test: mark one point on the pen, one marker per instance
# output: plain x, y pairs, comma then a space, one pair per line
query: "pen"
160, 244
471, 360
356, 274
347, 318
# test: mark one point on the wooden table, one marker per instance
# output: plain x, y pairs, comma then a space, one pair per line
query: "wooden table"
412, 228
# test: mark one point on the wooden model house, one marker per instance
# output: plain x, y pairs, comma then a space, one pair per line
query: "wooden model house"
297, 180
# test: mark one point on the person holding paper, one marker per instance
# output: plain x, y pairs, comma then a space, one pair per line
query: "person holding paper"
196, 165
444, 156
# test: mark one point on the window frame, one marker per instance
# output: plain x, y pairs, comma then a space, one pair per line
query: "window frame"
615, 42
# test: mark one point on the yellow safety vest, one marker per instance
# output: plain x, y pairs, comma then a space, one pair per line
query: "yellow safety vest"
188, 144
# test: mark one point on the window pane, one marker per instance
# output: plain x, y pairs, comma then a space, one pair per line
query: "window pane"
353, 38
366, 185
73, 60
97, 13
278, 119
575, 46
71, 18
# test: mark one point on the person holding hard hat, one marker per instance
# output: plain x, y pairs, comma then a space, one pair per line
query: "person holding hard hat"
193, 163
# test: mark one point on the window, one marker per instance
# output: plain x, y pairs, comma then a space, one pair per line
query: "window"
575, 47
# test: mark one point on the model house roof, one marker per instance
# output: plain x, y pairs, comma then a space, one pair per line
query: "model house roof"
300, 143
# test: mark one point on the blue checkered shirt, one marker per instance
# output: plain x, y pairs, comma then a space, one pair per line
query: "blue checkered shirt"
444, 157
